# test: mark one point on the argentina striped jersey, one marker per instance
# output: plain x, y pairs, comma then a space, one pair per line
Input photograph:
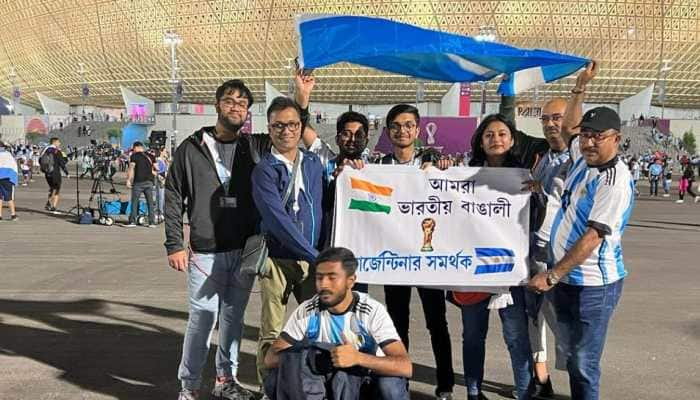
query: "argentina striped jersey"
366, 324
601, 197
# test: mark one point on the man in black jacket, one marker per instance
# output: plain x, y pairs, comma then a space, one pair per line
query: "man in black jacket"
55, 164
210, 180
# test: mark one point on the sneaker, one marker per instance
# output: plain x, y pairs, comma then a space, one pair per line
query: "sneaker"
129, 225
53, 210
152, 226
186, 394
667, 195
697, 198
543, 390
479, 396
444, 396
680, 201
14, 217
47, 207
230, 389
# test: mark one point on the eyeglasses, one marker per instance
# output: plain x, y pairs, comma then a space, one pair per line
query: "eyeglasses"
554, 118
232, 103
279, 127
596, 136
358, 135
397, 127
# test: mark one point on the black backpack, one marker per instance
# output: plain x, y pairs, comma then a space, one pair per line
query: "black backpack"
46, 162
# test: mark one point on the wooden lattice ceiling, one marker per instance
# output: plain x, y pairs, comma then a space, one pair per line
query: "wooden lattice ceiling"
121, 44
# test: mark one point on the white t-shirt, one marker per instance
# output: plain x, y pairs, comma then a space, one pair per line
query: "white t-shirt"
601, 197
366, 324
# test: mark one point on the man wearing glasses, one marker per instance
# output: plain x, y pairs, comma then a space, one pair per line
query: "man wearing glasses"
293, 227
209, 178
589, 270
403, 128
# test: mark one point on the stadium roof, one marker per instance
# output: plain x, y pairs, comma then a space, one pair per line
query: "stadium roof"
120, 43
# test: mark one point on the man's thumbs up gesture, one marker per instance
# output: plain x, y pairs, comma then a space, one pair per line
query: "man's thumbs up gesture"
345, 355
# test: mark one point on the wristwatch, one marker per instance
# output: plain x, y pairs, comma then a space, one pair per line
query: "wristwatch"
552, 278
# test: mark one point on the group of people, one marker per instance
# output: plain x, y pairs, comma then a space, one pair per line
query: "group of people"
146, 171
342, 343
658, 168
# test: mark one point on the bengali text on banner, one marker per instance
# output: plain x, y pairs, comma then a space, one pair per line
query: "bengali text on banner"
463, 227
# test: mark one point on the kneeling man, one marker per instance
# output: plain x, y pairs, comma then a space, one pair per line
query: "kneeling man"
340, 343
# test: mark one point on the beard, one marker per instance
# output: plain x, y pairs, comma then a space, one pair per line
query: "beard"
334, 301
230, 125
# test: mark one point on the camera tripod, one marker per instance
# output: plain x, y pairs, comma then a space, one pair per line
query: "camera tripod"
98, 190
76, 210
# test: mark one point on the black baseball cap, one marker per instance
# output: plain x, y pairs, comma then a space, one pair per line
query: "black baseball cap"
600, 119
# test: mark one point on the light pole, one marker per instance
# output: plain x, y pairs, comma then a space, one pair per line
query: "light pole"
15, 89
173, 40
84, 90
487, 33
662, 88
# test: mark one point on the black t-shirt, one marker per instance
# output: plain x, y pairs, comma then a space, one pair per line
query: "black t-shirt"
143, 168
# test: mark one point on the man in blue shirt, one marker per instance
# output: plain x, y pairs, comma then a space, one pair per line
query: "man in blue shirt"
293, 228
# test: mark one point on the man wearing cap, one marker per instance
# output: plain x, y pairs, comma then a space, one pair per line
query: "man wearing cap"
586, 236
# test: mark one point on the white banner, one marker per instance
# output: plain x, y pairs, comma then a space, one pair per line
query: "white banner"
464, 227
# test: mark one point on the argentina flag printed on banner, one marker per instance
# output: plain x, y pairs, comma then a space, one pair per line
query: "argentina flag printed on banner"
492, 260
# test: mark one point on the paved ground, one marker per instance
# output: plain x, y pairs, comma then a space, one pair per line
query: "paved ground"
93, 312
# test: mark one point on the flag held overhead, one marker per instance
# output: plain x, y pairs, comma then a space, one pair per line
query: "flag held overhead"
427, 54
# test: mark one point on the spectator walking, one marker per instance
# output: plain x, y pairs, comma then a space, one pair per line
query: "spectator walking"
8, 180
52, 163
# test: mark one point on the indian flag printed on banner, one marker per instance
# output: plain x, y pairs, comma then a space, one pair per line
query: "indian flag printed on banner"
368, 196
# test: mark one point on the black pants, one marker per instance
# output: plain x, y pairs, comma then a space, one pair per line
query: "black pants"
398, 301
147, 189
690, 190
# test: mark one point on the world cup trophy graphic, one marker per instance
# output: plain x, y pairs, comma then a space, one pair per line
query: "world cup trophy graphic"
428, 226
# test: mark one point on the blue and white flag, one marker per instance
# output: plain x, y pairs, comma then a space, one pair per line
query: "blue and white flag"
427, 54
492, 260
8, 166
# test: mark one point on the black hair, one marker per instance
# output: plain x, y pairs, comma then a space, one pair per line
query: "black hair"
478, 153
341, 255
137, 144
282, 103
351, 116
401, 109
234, 85
53, 140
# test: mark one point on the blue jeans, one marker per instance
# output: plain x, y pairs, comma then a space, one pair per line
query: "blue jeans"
217, 291
147, 189
475, 324
583, 312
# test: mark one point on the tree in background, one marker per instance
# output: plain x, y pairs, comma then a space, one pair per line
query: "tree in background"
689, 142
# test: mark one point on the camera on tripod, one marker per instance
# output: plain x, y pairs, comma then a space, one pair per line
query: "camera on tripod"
103, 155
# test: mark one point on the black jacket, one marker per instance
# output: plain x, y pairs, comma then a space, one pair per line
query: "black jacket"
193, 185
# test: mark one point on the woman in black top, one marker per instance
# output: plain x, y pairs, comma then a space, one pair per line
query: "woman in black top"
492, 146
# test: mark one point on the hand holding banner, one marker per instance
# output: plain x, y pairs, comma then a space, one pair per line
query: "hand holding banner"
463, 227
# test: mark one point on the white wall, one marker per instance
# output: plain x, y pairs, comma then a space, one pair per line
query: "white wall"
52, 106
131, 97
12, 128
450, 102
637, 104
